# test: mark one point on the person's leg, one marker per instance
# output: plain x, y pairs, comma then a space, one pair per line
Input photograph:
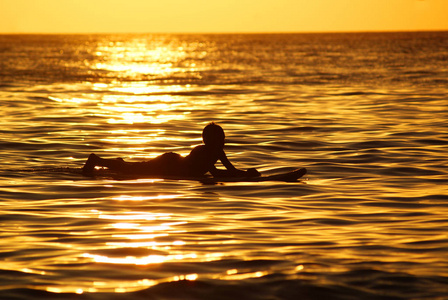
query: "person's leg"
90, 164
94, 160
165, 164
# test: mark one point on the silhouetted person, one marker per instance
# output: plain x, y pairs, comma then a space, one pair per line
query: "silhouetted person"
201, 160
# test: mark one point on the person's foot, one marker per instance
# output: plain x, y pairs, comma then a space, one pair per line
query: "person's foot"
90, 164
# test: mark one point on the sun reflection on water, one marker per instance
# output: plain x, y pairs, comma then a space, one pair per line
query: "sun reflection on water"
139, 231
145, 198
144, 88
141, 109
132, 260
147, 57
135, 240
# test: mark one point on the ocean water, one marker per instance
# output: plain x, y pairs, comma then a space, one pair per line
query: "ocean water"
365, 113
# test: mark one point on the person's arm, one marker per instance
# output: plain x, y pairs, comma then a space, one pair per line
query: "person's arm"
226, 162
231, 171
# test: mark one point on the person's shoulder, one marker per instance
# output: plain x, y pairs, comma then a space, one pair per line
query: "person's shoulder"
198, 149
203, 149
208, 151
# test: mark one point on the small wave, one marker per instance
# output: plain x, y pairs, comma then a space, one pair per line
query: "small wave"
407, 171
441, 142
358, 93
17, 145
377, 144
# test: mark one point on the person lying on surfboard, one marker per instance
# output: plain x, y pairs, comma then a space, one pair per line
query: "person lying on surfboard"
201, 160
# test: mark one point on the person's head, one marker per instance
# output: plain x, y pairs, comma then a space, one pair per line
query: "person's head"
213, 135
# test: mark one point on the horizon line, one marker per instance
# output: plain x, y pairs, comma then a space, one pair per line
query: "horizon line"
227, 32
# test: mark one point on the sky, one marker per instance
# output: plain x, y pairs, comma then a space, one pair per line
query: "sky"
220, 16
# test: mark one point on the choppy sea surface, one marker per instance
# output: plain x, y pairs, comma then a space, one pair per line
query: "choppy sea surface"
365, 113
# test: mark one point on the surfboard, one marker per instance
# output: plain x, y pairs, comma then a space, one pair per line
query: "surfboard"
291, 176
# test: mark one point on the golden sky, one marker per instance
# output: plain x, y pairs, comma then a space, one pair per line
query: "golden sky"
148, 16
